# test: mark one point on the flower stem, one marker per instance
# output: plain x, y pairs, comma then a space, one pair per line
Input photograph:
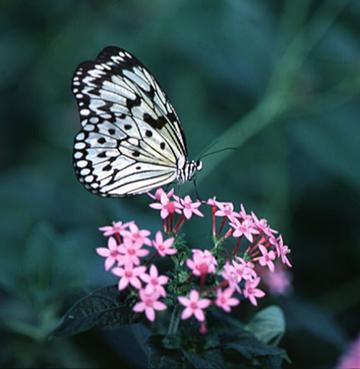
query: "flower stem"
152, 257
222, 224
237, 247
174, 322
179, 223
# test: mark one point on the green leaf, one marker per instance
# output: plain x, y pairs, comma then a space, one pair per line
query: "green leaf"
255, 351
160, 357
102, 308
211, 359
268, 325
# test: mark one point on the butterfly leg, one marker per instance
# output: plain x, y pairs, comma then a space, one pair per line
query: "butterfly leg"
196, 191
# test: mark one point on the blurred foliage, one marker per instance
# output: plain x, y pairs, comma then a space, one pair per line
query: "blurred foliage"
278, 79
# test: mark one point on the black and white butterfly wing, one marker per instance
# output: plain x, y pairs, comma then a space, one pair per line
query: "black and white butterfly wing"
131, 139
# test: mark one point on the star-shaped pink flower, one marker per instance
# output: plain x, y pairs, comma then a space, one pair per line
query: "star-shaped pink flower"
202, 262
111, 253
262, 225
242, 214
131, 252
139, 236
282, 250
117, 227
251, 291
188, 207
149, 304
166, 206
245, 228
229, 274
244, 270
157, 195
129, 275
194, 305
164, 247
155, 282
225, 209
267, 257
225, 300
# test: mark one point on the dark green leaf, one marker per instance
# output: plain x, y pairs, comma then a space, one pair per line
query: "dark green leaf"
268, 325
249, 347
102, 308
161, 357
211, 359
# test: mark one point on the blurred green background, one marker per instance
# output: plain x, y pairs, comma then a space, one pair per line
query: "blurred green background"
278, 79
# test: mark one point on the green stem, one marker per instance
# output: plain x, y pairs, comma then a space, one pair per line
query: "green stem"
174, 322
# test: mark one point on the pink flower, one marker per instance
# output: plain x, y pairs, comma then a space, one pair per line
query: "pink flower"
267, 257
243, 270
117, 227
164, 247
111, 253
278, 282
282, 250
157, 195
155, 281
212, 202
129, 275
229, 274
139, 236
166, 206
188, 207
351, 358
131, 252
226, 209
202, 263
225, 300
245, 228
262, 225
251, 292
149, 303
194, 305
243, 214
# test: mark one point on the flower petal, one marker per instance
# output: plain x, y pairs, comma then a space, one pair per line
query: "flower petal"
186, 314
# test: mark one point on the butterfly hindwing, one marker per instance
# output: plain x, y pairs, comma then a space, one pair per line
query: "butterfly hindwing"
131, 139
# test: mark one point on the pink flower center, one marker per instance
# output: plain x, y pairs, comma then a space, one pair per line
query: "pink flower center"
154, 281
222, 300
203, 268
193, 305
148, 302
114, 254
131, 251
161, 247
170, 207
250, 290
128, 273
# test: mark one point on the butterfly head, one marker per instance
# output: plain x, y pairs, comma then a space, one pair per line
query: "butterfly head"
188, 170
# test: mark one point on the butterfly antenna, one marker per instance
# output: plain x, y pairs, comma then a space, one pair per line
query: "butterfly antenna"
218, 151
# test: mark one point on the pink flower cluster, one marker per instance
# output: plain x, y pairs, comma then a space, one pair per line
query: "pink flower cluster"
124, 255
249, 244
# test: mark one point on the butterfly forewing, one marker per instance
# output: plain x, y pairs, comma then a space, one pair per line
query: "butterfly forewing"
131, 139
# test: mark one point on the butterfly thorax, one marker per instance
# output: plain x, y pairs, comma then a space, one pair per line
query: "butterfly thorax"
187, 170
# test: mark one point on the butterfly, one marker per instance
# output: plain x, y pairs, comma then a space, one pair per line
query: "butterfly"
131, 140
